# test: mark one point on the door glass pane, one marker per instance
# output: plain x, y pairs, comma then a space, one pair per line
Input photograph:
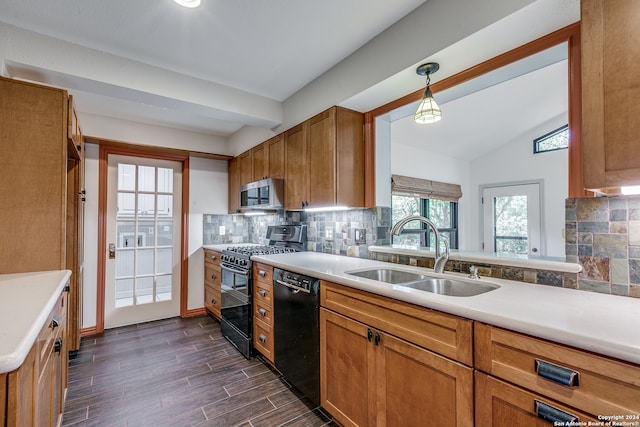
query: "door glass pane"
146, 205
144, 255
126, 177
163, 288
165, 233
146, 235
165, 180
144, 290
124, 292
165, 206
146, 178
510, 224
126, 205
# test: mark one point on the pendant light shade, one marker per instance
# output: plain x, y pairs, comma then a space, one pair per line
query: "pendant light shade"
428, 110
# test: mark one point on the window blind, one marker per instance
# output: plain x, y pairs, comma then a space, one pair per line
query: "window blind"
425, 189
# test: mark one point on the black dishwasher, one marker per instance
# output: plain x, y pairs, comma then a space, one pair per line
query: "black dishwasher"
297, 331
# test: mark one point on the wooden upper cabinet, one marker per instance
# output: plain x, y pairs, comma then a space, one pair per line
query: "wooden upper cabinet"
234, 185
246, 167
610, 89
326, 154
296, 184
268, 159
260, 161
276, 156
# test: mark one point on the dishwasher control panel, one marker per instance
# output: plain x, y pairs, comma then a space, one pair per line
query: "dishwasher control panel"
306, 283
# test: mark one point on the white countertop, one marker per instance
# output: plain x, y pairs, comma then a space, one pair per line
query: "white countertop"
26, 300
605, 324
509, 260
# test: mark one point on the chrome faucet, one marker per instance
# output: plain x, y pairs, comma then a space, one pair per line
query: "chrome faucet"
441, 258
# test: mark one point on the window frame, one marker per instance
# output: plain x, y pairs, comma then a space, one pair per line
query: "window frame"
538, 140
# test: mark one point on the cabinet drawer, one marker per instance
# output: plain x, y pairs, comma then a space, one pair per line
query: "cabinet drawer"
501, 404
263, 293
441, 333
211, 257
52, 330
212, 299
212, 275
601, 386
263, 273
263, 339
263, 312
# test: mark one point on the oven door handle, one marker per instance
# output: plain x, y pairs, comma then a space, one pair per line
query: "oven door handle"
293, 287
235, 270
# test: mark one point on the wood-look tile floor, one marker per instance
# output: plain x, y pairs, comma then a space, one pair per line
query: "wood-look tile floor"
177, 372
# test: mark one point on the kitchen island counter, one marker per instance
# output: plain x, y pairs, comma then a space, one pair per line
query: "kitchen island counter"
605, 324
26, 300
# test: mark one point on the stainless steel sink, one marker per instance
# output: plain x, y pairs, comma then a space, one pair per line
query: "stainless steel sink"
388, 275
427, 283
454, 288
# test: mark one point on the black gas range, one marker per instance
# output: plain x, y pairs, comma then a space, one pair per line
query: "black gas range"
236, 283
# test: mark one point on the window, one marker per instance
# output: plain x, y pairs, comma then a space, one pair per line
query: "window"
443, 214
555, 140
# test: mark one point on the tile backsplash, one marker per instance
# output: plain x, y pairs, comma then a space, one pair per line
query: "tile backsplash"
603, 235
330, 232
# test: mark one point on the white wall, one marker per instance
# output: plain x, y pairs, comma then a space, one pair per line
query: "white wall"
207, 194
499, 166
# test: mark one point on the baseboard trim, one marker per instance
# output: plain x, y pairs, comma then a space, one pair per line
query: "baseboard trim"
87, 332
195, 312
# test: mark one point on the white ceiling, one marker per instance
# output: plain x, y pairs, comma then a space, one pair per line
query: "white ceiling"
235, 63
267, 48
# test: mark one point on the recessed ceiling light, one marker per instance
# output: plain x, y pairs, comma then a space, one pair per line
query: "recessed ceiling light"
188, 3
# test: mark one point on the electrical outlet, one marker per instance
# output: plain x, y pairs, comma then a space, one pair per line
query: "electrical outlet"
360, 236
328, 234
221, 230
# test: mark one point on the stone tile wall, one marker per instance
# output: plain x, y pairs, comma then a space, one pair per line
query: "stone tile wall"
603, 235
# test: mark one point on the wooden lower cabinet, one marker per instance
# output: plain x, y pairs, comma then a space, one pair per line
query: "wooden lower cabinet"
263, 338
500, 404
212, 276
35, 392
370, 378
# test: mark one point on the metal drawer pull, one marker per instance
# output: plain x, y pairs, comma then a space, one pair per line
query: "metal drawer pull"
55, 322
557, 374
554, 415
213, 276
213, 257
262, 292
262, 311
262, 273
213, 301
57, 347
262, 338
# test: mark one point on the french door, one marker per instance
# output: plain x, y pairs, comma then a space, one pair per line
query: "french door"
512, 219
142, 274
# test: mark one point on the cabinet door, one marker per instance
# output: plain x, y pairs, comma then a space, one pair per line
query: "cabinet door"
611, 87
417, 387
499, 404
234, 185
246, 167
347, 382
297, 174
260, 161
322, 154
276, 157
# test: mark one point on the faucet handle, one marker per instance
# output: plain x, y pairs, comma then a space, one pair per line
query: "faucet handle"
473, 272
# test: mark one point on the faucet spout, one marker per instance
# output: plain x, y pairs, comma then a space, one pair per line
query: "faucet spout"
440, 258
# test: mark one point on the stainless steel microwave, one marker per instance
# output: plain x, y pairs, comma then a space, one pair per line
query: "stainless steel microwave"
264, 194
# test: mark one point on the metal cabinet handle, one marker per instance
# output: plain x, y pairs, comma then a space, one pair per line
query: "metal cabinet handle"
57, 347
377, 339
262, 273
262, 338
213, 301
553, 415
55, 322
262, 292
557, 374
213, 257
369, 334
213, 276
262, 311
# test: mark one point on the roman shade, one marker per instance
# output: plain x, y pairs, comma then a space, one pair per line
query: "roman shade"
425, 188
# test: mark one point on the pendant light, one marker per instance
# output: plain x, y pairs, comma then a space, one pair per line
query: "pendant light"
428, 110
188, 3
